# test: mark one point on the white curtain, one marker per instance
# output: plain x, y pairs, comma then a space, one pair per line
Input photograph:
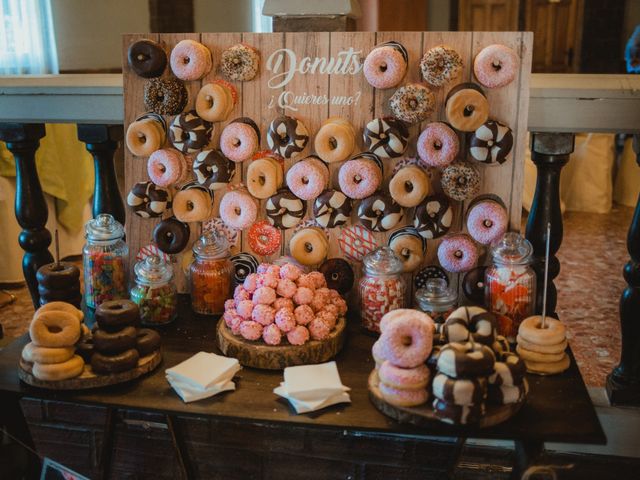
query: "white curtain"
261, 23
27, 42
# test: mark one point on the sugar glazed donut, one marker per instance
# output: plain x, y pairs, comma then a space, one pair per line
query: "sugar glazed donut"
466, 107
441, 65
264, 176
54, 329
309, 246
496, 66
190, 60
284, 209
332, 208
336, 140
238, 209
287, 136
409, 246
491, 143
409, 186
386, 137
433, 217
167, 167
412, 103
189, 133
240, 139
148, 200
308, 178
193, 203
474, 322
379, 212
146, 134
59, 371
147, 58
240, 62
386, 65
171, 235
460, 181
216, 100
487, 221
213, 170
34, 353
264, 239
408, 339
457, 253
438, 145
361, 176
165, 96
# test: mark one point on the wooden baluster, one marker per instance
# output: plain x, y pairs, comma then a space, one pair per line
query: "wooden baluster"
31, 209
102, 142
623, 383
550, 152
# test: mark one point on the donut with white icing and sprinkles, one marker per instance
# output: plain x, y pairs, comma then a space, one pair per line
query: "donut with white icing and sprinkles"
240, 62
440, 65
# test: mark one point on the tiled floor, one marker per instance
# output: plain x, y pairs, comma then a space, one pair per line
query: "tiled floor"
589, 287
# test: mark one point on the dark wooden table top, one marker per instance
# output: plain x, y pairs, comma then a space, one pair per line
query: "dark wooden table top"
558, 408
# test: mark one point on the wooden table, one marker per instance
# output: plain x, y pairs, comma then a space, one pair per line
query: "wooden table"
558, 408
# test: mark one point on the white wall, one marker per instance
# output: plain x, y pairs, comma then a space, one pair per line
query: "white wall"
222, 15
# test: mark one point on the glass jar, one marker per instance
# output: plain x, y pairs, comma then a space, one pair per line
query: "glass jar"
154, 292
436, 299
381, 287
104, 259
211, 274
510, 283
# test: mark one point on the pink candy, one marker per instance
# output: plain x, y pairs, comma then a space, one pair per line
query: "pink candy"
290, 272
263, 314
240, 294
268, 280
317, 279
341, 304
298, 336
264, 295
251, 282
245, 308
250, 330
229, 304
274, 270
303, 296
304, 314
285, 320
272, 335
306, 281
285, 303
328, 318
263, 268
318, 329
286, 288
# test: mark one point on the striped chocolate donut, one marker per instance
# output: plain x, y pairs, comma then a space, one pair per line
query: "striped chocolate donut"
464, 360
463, 391
285, 210
475, 321
189, 133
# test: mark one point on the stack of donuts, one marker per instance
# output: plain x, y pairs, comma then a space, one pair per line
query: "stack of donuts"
543, 347
59, 281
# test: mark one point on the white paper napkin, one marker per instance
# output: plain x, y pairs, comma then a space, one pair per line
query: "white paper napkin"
191, 395
204, 370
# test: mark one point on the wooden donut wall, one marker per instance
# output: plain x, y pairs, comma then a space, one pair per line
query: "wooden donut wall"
259, 101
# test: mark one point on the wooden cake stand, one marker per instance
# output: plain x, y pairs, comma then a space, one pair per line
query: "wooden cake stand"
89, 379
277, 357
423, 415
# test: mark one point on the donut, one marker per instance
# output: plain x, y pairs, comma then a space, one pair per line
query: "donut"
496, 66
59, 371
309, 246
61, 306
114, 342
213, 170
473, 284
491, 143
409, 186
240, 139
146, 134
487, 221
189, 133
356, 241
146, 58
501, 347
285, 210
408, 340
58, 275
387, 137
399, 313
378, 354
243, 265
190, 60
332, 208
531, 330
427, 273
474, 321
531, 356
308, 178
54, 328
240, 62
287, 136
360, 177
438, 145
534, 347
464, 360
335, 141
508, 372
548, 368
457, 253
403, 378
166, 167
165, 96
114, 315
263, 238
507, 394
379, 212
460, 181
412, 103
215, 101
148, 200
440, 65
458, 414
409, 246
147, 341
238, 209
338, 274
46, 355
71, 295
466, 107
402, 397
433, 218
264, 177
121, 362
192, 204
386, 65
171, 235
463, 391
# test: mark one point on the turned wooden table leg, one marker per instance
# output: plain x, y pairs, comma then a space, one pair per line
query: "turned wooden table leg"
623, 383
550, 152
102, 142
31, 209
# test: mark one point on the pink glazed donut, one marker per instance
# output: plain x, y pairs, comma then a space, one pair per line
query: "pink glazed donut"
385, 67
359, 178
457, 253
240, 139
407, 342
190, 60
166, 167
438, 145
496, 66
410, 378
487, 221
307, 178
238, 209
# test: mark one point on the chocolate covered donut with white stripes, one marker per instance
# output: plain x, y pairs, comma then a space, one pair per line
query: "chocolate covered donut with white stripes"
465, 360
285, 210
387, 137
189, 133
510, 371
458, 414
463, 391
287, 136
475, 321
332, 208
491, 143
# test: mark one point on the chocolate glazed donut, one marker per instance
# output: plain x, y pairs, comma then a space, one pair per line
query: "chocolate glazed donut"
147, 58
332, 208
379, 212
285, 210
116, 314
171, 235
106, 364
147, 341
115, 342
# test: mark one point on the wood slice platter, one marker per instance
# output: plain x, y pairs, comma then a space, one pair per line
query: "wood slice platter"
424, 415
277, 357
89, 379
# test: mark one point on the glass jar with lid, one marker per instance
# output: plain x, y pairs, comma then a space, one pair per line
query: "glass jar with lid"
510, 283
104, 259
436, 299
154, 291
211, 274
381, 287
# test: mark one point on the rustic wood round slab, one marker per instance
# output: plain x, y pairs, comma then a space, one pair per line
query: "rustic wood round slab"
423, 415
277, 357
89, 379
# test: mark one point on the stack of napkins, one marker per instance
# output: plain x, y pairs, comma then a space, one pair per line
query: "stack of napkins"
312, 387
202, 376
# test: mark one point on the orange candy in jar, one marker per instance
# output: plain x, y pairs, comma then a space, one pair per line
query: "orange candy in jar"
211, 274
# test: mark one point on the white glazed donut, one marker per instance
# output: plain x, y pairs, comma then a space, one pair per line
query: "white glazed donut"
264, 177
335, 140
554, 333
309, 246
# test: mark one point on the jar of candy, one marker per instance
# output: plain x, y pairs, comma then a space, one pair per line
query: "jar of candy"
154, 292
436, 299
381, 286
104, 259
510, 283
211, 274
